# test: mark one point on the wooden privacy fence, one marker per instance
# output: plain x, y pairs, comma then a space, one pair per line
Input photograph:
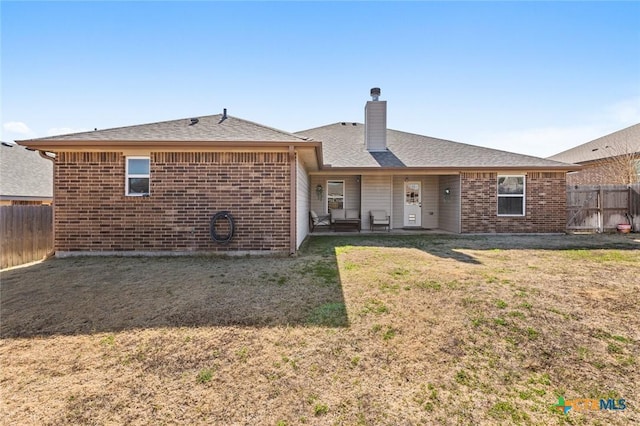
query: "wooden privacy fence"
601, 208
26, 234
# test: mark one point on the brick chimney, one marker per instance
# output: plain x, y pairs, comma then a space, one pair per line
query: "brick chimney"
375, 123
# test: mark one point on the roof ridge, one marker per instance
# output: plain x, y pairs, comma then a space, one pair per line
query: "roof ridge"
337, 123
116, 128
96, 134
284, 132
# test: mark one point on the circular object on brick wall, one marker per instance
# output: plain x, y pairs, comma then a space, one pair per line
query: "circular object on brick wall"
222, 227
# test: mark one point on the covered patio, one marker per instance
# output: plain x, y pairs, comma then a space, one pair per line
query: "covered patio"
414, 202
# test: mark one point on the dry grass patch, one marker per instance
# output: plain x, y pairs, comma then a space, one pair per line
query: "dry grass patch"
359, 330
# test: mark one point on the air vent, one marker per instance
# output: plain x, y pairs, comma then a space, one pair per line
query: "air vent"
194, 121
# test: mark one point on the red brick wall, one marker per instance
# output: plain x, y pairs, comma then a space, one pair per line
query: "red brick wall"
187, 189
545, 204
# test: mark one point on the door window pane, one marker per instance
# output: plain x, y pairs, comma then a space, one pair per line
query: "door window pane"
412, 195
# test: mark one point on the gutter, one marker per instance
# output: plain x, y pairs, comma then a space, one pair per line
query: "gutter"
438, 170
178, 145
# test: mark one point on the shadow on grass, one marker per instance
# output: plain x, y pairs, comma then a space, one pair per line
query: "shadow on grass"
449, 246
436, 245
108, 294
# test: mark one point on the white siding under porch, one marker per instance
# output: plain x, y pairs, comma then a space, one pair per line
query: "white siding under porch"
449, 203
303, 193
377, 194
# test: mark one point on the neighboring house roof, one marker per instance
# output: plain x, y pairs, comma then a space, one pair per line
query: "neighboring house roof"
343, 146
625, 141
211, 128
24, 174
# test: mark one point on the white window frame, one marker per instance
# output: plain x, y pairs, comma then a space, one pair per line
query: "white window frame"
523, 195
344, 194
127, 175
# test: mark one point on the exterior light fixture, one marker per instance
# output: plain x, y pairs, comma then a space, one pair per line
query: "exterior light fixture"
319, 191
447, 191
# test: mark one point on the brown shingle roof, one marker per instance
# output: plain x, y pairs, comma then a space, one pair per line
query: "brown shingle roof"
625, 141
207, 128
343, 146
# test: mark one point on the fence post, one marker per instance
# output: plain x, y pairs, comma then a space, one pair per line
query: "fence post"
600, 209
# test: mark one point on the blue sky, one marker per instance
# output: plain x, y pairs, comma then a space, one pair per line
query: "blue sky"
529, 77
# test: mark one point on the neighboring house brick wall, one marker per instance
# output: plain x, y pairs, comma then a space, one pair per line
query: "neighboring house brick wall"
605, 172
545, 204
187, 189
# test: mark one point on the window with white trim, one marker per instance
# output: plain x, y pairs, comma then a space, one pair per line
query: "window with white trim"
335, 195
511, 195
137, 176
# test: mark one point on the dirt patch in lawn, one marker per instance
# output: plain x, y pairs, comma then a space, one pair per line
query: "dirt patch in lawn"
359, 330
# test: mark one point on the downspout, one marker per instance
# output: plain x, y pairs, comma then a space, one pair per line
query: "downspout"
293, 200
44, 155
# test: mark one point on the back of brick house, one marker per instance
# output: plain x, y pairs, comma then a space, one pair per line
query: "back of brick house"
153, 188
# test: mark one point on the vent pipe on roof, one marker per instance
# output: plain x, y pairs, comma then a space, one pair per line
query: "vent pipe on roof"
224, 116
375, 123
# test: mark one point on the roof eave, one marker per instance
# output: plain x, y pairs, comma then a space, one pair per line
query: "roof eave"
104, 145
449, 169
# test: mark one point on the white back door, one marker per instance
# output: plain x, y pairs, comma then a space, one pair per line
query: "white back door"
412, 204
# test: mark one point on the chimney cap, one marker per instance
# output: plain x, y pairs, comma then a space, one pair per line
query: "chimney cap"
375, 93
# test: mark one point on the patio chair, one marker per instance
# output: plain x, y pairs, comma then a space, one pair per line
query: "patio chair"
315, 220
379, 218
